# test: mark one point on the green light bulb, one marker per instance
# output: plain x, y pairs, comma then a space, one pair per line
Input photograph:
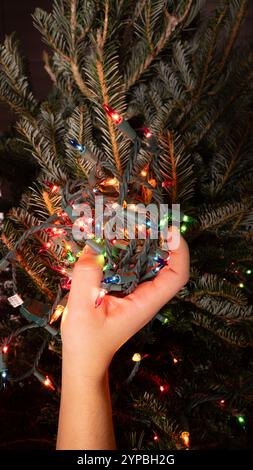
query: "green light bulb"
70, 257
183, 228
186, 218
162, 223
241, 419
241, 285
249, 271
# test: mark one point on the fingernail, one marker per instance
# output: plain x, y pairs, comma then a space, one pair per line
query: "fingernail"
100, 297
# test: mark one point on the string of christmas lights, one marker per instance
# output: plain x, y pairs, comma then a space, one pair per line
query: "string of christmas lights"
65, 244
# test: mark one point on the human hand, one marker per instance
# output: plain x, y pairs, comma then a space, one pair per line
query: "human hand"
90, 335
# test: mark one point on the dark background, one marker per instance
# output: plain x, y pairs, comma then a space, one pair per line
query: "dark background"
15, 15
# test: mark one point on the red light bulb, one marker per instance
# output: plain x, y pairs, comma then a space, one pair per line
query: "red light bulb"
115, 117
168, 184
55, 188
5, 349
163, 388
147, 133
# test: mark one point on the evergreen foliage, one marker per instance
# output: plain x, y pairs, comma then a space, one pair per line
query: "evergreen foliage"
188, 82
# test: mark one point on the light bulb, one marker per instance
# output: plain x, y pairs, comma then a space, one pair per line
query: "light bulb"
136, 357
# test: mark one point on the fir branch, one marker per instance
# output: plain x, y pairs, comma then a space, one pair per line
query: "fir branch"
237, 151
54, 37
106, 19
173, 166
241, 8
34, 201
26, 267
110, 124
22, 217
41, 149
213, 219
136, 67
222, 309
209, 53
212, 286
48, 68
234, 335
14, 84
105, 80
186, 12
204, 125
148, 27
182, 56
138, 10
48, 203
73, 60
176, 167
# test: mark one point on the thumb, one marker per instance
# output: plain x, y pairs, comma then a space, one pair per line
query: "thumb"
86, 279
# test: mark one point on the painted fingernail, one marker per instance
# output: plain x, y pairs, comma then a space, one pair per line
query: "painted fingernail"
100, 297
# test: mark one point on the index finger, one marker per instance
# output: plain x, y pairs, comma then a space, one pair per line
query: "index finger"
86, 281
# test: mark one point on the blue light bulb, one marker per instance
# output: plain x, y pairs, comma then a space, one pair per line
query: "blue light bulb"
77, 146
113, 279
160, 260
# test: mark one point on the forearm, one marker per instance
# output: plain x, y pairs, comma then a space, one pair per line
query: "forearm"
85, 418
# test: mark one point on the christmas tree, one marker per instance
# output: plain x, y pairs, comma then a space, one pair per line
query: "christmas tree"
148, 105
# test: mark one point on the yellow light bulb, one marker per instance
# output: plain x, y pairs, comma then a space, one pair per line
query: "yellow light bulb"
136, 357
57, 313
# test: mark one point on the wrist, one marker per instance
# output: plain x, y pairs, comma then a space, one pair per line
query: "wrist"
85, 367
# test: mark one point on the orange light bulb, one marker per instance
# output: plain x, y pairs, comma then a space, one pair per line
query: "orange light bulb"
47, 382
185, 436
